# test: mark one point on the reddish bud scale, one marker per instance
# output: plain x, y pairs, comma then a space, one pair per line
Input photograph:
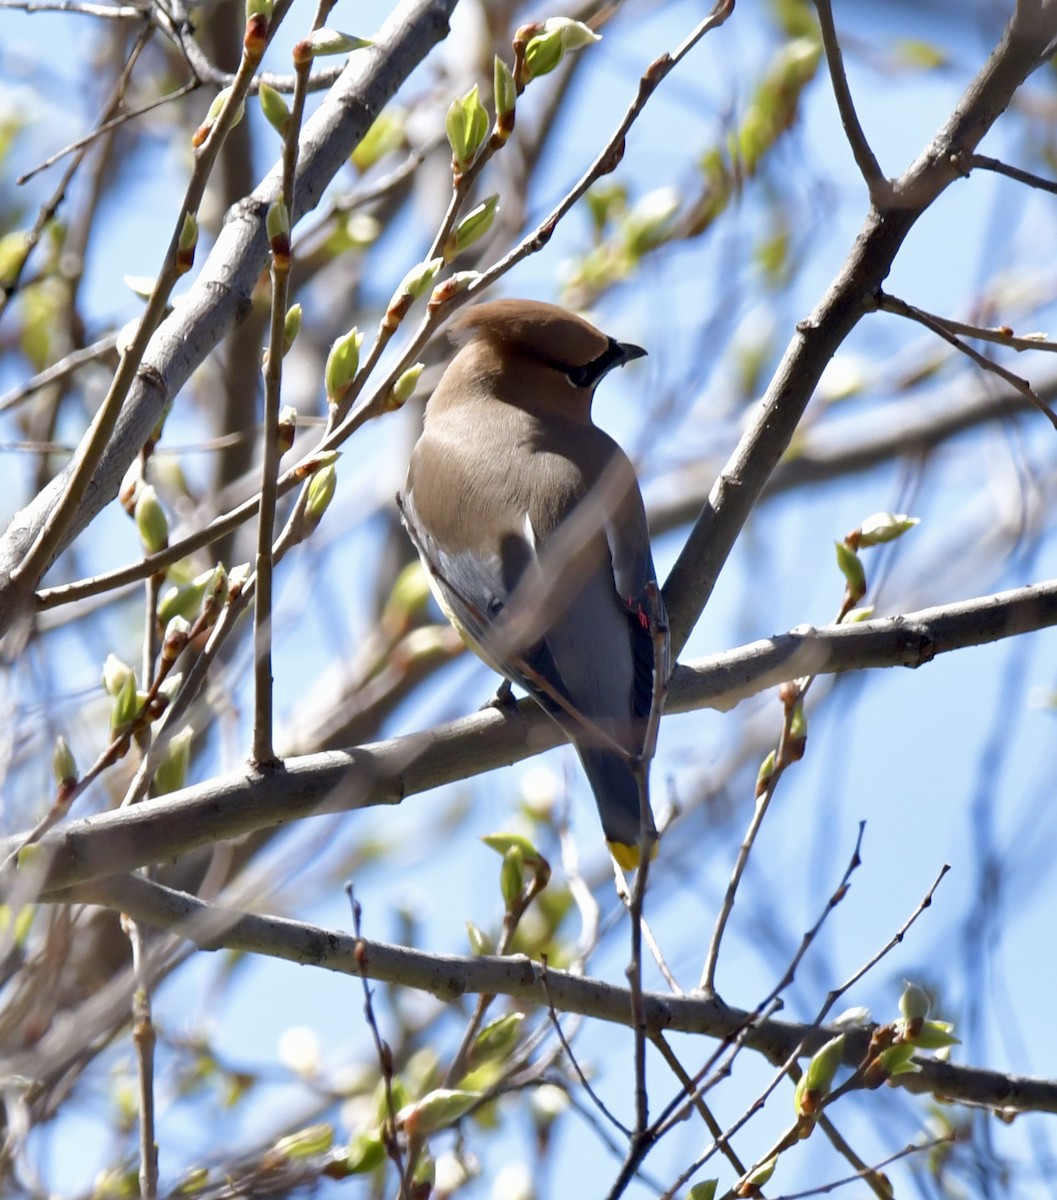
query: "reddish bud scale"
302, 53
127, 495
441, 294
281, 252
173, 646
185, 260
256, 38
200, 134
284, 436
396, 312
794, 750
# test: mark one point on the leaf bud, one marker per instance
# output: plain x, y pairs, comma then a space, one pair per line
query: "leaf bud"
471, 228
188, 241
914, 1003
126, 704
480, 942
497, 1039
403, 388
414, 284
366, 1151
814, 1084
765, 773
115, 675
756, 1178
275, 109
171, 774
885, 527
314, 1139
546, 50
436, 1110
326, 41
851, 568
343, 361
320, 489
704, 1190
219, 101
505, 93
512, 877
291, 326
277, 224
177, 635
286, 428
451, 287
63, 765
467, 127
151, 521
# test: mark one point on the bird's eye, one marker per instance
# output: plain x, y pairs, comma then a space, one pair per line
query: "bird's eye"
590, 373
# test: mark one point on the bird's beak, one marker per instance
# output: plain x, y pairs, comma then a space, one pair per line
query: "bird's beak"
629, 351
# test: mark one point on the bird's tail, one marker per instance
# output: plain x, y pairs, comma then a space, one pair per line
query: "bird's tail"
616, 789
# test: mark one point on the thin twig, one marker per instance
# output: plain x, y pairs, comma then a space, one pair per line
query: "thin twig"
880, 187
58, 372
263, 751
912, 1148
892, 304
144, 1040
112, 11
106, 127
763, 799
385, 1055
676, 1111
833, 996
1001, 335
49, 537
51, 206
984, 162
697, 1100
584, 1082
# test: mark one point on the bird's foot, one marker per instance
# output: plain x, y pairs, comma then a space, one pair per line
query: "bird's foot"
503, 698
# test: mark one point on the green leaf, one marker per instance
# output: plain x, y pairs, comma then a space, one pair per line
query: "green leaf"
471, 228
885, 527
332, 41
343, 361
498, 1038
851, 568
315, 1139
546, 50
467, 127
275, 109
705, 1190
436, 1110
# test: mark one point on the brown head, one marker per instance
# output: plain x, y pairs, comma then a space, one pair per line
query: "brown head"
543, 354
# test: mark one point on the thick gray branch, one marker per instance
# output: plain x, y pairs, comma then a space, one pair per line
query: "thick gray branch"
385, 772
449, 977
221, 294
1023, 49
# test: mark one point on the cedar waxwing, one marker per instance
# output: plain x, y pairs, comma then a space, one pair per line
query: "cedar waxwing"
530, 524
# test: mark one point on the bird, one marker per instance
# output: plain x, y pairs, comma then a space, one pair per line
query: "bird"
531, 527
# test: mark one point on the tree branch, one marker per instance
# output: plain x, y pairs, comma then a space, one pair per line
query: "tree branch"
221, 294
851, 295
386, 772
451, 976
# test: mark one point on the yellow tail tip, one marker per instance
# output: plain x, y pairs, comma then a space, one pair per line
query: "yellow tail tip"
627, 857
